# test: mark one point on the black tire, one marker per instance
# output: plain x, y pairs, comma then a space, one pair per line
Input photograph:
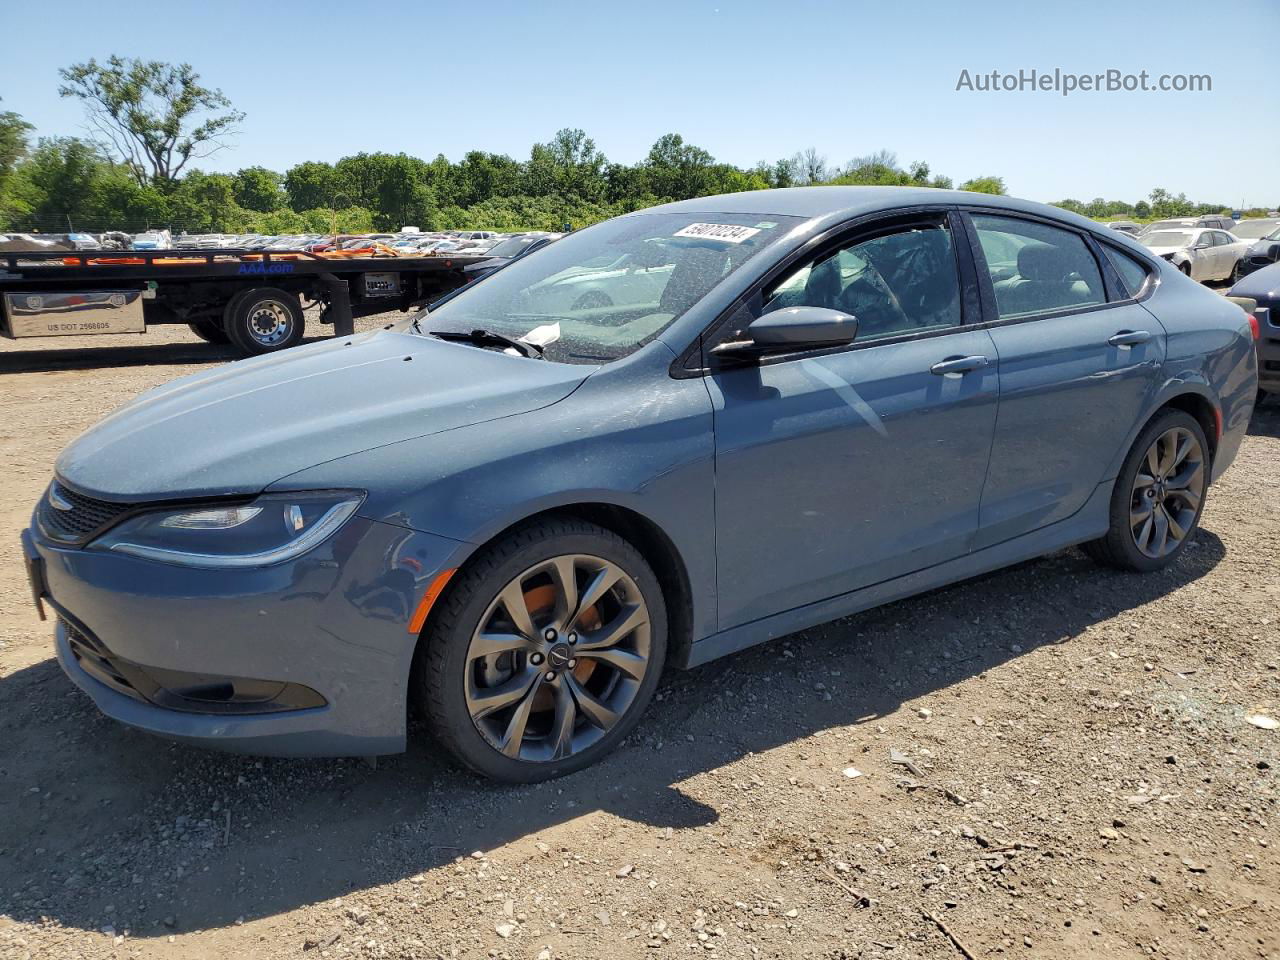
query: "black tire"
1119, 547
1234, 276
264, 320
209, 331
1185, 268
441, 665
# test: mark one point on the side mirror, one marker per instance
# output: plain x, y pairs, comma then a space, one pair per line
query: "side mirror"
790, 329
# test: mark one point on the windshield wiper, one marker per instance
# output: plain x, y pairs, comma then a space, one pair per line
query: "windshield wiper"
487, 338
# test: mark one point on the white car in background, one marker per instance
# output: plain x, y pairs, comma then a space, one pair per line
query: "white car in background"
1201, 254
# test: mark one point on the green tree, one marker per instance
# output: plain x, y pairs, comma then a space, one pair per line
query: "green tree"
677, 170
1165, 205
311, 185
985, 185
257, 188
568, 166
61, 181
156, 116
206, 202
13, 147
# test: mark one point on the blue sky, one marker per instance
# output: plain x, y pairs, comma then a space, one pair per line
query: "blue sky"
747, 81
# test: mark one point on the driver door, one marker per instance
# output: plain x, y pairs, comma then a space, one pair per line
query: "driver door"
843, 467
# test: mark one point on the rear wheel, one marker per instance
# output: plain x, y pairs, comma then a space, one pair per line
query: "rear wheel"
264, 320
209, 331
1158, 496
1185, 268
544, 652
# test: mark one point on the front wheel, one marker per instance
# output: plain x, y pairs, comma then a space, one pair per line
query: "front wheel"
543, 652
1158, 495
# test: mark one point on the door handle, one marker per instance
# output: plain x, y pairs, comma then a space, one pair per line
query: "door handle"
958, 365
1129, 338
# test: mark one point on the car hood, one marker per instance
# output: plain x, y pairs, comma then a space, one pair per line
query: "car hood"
1161, 251
1262, 248
240, 427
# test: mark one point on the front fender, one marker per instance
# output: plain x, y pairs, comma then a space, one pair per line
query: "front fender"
631, 437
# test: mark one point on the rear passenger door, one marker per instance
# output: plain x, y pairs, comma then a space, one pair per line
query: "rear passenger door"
1225, 254
1079, 359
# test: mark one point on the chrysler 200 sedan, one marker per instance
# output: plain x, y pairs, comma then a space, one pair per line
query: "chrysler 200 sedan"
516, 516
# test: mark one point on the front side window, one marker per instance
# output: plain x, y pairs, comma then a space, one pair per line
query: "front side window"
603, 292
899, 281
1036, 268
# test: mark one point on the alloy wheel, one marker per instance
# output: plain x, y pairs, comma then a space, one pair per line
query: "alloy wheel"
1166, 494
558, 658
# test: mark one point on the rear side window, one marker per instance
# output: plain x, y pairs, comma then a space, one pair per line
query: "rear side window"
1131, 270
1036, 268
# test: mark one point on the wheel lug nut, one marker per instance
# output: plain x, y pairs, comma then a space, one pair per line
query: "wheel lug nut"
536, 659
551, 675
571, 664
550, 634
573, 638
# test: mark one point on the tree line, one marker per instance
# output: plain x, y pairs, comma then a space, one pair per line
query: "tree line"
150, 124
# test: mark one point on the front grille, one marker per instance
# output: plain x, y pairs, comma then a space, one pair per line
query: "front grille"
86, 516
99, 662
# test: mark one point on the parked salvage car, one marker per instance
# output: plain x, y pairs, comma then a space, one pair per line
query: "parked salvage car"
1263, 288
1199, 253
506, 252
1263, 237
1125, 226
826, 400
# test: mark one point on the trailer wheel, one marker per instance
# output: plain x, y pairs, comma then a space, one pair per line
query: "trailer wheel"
209, 331
264, 320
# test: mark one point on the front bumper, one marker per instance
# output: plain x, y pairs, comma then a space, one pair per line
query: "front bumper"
334, 621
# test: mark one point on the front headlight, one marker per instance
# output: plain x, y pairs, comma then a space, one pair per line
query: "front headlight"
274, 528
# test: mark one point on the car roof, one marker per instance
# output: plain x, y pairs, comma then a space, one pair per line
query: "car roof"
843, 203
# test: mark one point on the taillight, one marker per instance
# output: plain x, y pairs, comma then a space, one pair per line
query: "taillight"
1253, 325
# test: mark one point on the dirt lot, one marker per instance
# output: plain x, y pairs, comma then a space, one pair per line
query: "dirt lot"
1053, 761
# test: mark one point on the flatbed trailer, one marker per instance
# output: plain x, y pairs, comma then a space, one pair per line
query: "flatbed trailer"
252, 300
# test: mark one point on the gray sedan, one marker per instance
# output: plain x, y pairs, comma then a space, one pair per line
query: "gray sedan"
518, 508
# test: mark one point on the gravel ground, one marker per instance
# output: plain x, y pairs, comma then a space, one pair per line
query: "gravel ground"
1052, 761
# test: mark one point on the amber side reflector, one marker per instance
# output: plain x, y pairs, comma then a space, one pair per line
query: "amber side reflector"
428, 600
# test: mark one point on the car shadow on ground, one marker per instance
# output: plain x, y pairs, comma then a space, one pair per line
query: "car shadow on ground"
174, 838
1265, 421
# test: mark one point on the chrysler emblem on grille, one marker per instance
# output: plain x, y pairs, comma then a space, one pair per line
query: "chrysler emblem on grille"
57, 501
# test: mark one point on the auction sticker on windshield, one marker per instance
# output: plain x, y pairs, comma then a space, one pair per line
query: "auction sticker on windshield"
724, 232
